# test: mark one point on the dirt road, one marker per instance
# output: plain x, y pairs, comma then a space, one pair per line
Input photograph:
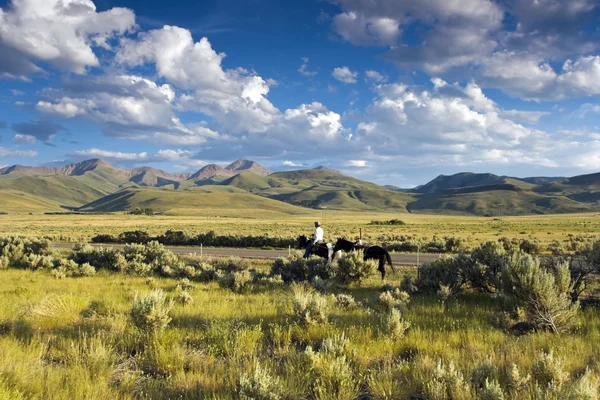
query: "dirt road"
397, 259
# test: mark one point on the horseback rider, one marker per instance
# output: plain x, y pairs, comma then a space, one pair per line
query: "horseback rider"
317, 239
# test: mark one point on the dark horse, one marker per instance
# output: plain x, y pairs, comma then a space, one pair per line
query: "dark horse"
371, 252
320, 250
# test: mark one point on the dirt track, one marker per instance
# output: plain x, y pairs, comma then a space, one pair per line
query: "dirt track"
397, 259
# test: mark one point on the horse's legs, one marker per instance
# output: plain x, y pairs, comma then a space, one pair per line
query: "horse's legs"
382, 267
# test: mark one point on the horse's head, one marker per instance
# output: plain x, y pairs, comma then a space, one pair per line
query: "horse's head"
302, 241
343, 244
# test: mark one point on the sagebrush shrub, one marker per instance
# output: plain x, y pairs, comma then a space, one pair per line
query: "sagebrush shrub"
491, 390
184, 298
309, 307
544, 294
236, 281
585, 387
345, 301
150, 311
299, 269
447, 383
352, 268
444, 271
394, 325
259, 385
549, 370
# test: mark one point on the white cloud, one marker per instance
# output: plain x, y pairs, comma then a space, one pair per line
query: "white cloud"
525, 116
345, 75
59, 32
304, 68
375, 76
358, 29
115, 155
356, 163
4, 152
291, 164
531, 78
236, 98
20, 138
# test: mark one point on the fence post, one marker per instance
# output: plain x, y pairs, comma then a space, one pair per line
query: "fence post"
289, 250
201, 252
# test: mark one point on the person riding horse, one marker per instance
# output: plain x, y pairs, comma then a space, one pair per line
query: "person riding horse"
317, 239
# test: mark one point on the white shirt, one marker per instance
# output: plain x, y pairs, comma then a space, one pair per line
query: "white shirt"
318, 235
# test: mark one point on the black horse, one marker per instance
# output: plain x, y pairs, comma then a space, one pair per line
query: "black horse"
371, 252
320, 249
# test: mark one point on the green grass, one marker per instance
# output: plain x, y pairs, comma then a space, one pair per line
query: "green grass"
51, 348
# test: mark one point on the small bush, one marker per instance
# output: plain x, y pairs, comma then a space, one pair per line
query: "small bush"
391, 299
309, 307
549, 370
184, 298
445, 271
394, 325
299, 269
491, 391
352, 268
408, 284
150, 311
236, 281
184, 284
259, 385
345, 301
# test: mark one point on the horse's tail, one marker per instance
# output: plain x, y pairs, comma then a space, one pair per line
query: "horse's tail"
389, 260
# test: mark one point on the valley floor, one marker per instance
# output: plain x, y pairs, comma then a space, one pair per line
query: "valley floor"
73, 339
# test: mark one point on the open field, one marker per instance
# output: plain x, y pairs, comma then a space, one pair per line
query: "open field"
73, 339
82, 227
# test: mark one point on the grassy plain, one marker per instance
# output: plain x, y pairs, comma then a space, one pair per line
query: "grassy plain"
545, 228
51, 348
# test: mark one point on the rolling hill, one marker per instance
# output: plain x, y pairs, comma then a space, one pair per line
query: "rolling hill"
247, 188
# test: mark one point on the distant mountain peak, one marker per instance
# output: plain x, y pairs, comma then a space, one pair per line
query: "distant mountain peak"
210, 171
243, 165
327, 169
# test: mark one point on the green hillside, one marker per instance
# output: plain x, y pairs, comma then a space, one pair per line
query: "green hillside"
171, 202
496, 202
321, 189
14, 201
67, 191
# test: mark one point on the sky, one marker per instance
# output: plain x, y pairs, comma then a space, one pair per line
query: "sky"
391, 91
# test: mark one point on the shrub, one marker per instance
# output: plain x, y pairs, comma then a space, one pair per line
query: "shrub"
345, 301
484, 270
446, 271
408, 284
150, 311
300, 269
585, 388
134, 237
259, 385
35, 262
236, 281
99, 258
103, 238
230, 264
353, 268
544, 295
185, 298
309, 307
319, 284
4, 262
447, 382
394, 325
391, 299
549, 370
184, 284
491, 391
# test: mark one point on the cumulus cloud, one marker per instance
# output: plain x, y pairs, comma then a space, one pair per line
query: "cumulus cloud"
36, 130
359, 29
375, 76
531, 78
304, 68
126, 106
236, 98
291, 164
344, 74
61, 33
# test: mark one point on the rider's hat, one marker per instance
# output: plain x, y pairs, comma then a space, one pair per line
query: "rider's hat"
317, 223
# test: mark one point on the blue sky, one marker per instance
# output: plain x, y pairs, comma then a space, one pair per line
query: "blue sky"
395, 92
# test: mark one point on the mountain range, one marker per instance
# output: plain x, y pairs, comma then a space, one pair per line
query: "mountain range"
245, 187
